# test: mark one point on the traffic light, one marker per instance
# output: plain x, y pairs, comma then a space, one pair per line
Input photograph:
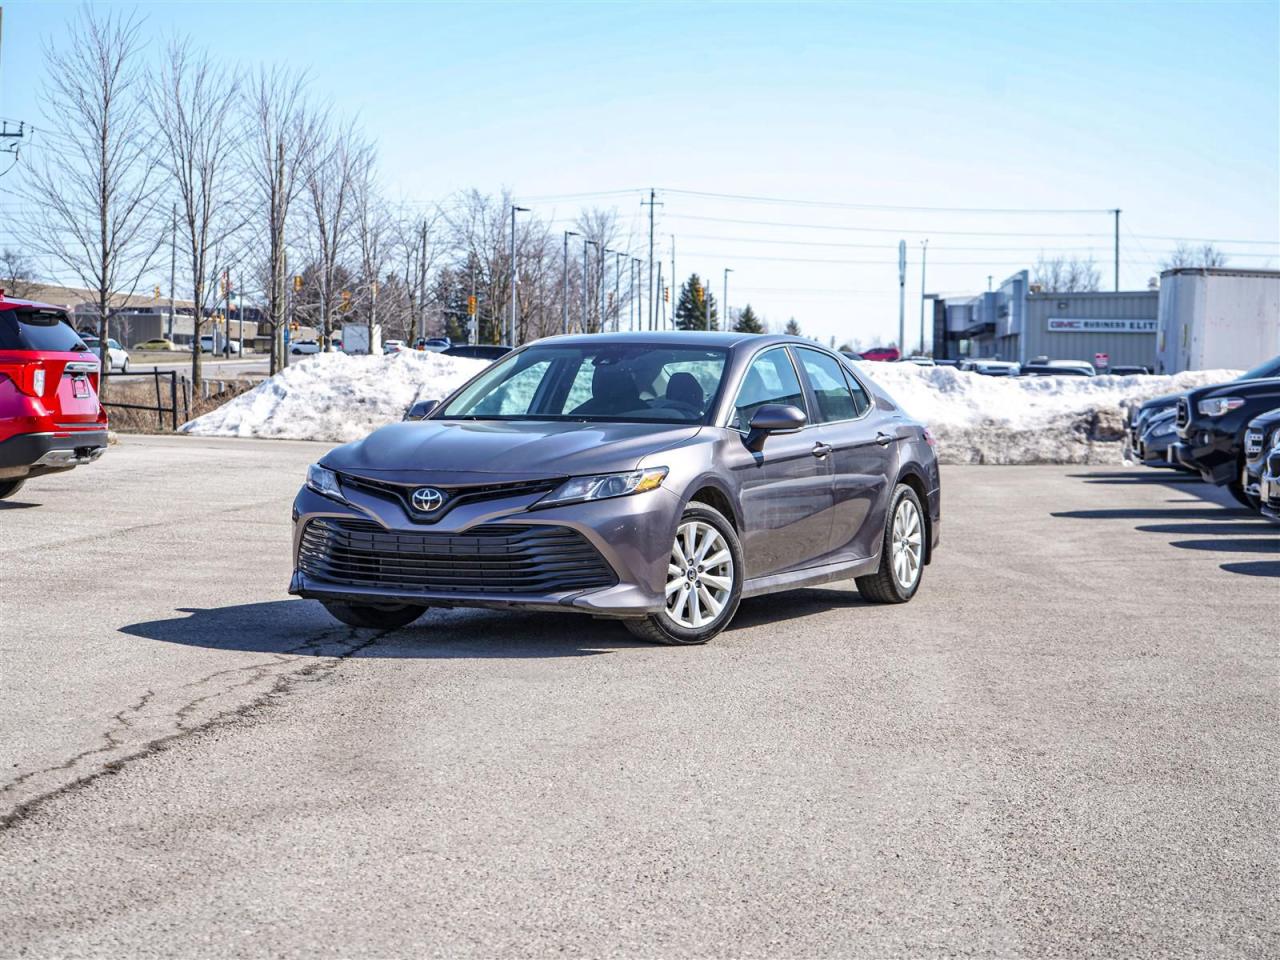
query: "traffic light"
293, 327
697, 293
297, 284
471, 305
157, 293
346, 301
666, 294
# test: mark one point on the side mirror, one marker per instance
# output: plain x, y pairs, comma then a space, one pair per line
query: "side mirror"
773, 418
421, 409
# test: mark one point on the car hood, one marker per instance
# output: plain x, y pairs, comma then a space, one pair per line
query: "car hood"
482, 451
1263, 387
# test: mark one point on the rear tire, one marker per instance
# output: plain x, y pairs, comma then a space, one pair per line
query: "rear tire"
902, 551
388, 617
714, 587
9, 487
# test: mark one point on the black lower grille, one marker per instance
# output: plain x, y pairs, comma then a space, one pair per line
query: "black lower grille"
499, 559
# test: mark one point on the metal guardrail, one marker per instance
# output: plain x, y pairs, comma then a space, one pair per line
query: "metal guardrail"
159, 406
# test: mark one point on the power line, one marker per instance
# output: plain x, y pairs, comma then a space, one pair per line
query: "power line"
835, 205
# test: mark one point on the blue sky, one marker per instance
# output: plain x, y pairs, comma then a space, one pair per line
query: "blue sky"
1168, 111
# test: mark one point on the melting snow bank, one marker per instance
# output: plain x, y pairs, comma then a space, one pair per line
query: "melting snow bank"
1013, 420
332, 396
976, 419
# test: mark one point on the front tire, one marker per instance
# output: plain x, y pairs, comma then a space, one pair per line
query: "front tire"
9, 487
901, 552
124, 367
375, 617
704, 581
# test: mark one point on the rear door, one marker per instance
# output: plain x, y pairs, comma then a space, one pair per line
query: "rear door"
786, 488
863, 456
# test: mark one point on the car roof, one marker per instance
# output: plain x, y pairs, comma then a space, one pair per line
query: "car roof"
695, 338
13, 303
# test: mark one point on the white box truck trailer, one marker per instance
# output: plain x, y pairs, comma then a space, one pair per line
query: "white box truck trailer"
355, 338
1217, 318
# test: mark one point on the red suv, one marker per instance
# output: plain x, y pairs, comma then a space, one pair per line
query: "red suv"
50, 417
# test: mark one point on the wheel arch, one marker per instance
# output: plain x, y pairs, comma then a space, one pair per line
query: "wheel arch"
710, 491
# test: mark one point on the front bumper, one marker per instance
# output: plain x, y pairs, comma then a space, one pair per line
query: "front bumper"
33, 454
632, 534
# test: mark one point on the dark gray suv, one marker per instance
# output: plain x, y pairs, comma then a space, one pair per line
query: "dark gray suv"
653, 478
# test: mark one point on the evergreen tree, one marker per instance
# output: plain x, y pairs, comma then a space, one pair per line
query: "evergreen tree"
793, 328
748, 322
696, 308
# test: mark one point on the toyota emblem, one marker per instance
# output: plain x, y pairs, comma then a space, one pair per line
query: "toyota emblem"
427, 499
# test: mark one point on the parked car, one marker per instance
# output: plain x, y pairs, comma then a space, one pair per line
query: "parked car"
304, 346
158, 344
117, 355
432, 344
1269, 484
1125, 370
880, 354
1152, 447
991, 368
1138, 416
211, 344
392, 346
1260, 435
478, 351
1052, 370
946, 363
1211, 428
919, 361
652, 478
50, 416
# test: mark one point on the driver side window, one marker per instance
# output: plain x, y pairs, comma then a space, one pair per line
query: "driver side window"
770, 379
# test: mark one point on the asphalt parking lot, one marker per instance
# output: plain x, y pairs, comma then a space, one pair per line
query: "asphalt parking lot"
1065, 746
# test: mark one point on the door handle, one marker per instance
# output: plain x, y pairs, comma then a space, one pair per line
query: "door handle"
883, 438
820, 450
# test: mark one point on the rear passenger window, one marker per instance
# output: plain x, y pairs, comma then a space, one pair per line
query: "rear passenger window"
770, 379
835, 402
861, 402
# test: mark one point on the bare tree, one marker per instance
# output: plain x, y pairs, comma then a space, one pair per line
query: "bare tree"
94, 195
1066, 275
1184, 254
601, 228
330, 178
193, 105
17, 274
281, 140
416, 242
372, 226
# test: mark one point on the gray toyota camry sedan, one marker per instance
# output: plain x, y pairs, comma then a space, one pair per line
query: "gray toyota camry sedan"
653, 478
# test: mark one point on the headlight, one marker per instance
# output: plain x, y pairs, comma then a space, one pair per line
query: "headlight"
1217, 406
324, 482
1164, 429
603, 486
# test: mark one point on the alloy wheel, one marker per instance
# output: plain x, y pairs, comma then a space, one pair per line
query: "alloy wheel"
908, 544
699, 575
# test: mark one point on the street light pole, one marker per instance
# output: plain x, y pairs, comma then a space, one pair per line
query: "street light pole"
564, 283
635, 295
514, 210
725, 305
604, 273
617, 289
924, 251
585, 243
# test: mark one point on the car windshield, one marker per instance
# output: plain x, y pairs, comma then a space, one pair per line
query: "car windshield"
617, 382
1263, 370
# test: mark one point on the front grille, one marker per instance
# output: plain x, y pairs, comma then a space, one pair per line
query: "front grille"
502, 559
453, 496
1184, 412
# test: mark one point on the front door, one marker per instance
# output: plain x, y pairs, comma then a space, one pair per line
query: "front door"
786, 489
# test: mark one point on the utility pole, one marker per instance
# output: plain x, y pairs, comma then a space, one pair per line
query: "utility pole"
564, 283
226, 282
725, 305
514, 210
651, 203
1117, 213
902, 297
924, 252
585, 243
655, 310
173, 267
422, 281
604, 274
672, 279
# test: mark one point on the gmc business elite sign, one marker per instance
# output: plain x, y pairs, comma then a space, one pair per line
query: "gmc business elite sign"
1071, 325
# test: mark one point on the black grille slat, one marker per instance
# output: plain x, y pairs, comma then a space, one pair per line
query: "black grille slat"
500, 559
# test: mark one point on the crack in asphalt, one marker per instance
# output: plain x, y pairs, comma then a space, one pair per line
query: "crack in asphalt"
125, 719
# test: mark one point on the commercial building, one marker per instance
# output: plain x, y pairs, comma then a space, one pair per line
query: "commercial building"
1019, 322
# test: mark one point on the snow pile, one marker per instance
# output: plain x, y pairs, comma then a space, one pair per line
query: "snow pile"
333, 396
980, 419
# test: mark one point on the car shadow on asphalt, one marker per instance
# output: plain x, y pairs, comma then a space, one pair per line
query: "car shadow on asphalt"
1224, 527
17, 505
302, 628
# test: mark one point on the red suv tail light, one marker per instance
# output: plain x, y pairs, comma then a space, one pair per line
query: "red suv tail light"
30, 377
